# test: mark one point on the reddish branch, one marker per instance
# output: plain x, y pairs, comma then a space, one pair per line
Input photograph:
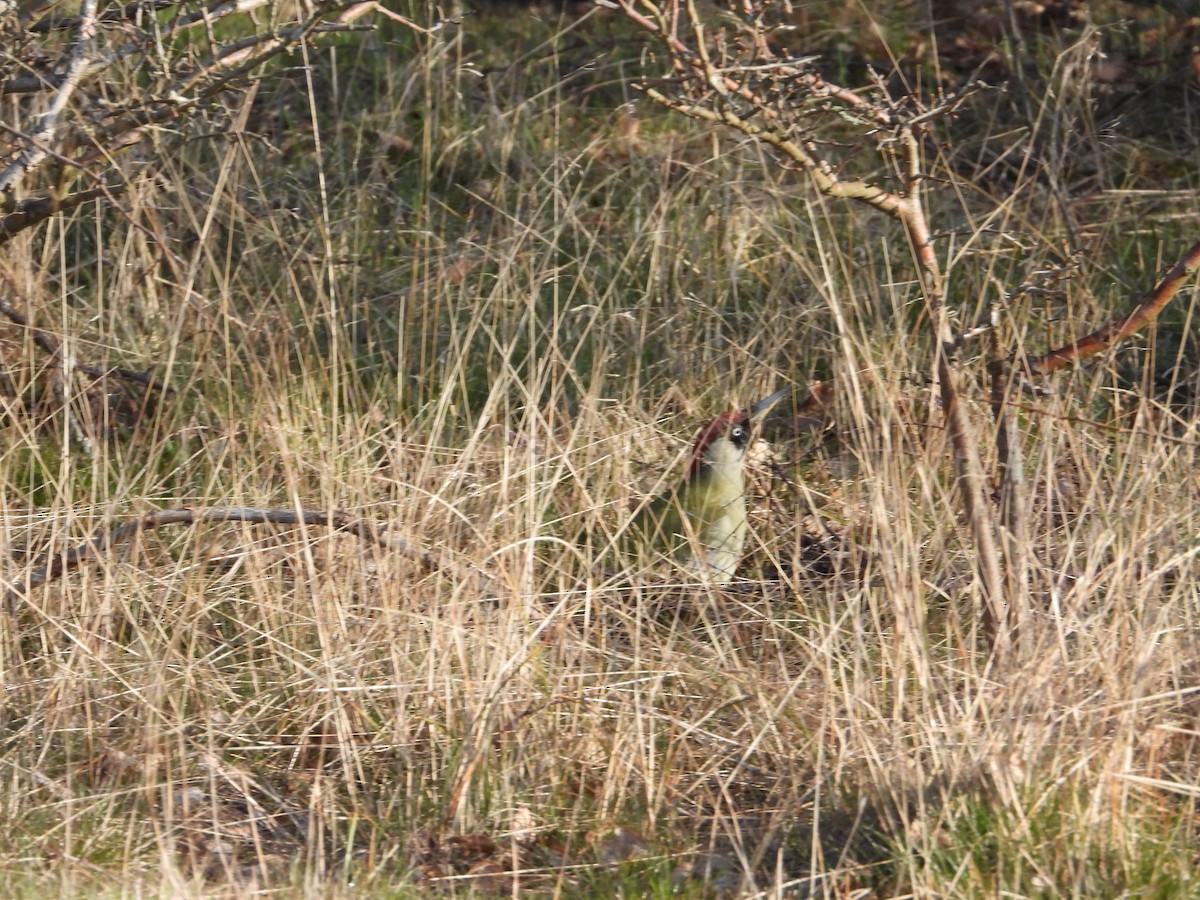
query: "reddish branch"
1141, 315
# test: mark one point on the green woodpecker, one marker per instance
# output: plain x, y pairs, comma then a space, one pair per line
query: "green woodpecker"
701, 522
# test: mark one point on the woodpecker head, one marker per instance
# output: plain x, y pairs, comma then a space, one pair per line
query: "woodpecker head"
722, 442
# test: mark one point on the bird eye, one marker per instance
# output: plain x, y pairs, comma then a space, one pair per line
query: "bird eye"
738, 434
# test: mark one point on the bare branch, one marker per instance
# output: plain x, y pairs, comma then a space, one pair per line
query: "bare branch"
43, 339
817, 168
128, 13
176, 93
77, 64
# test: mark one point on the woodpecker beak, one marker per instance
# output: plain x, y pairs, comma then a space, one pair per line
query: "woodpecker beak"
759, 410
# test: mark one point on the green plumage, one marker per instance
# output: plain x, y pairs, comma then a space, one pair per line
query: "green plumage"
702, 519
701, 523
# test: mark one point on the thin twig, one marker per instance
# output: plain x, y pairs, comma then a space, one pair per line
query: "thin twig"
103, 544
43, 339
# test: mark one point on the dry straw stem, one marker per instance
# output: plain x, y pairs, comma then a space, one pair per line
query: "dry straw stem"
748, 83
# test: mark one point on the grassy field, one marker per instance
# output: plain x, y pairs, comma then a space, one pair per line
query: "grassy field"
468, 287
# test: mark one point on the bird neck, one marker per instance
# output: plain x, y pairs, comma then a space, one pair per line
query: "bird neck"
719, 483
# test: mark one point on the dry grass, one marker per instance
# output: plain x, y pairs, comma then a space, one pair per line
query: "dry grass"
502, 342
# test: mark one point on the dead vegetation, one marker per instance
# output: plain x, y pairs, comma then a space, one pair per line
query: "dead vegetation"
483, 313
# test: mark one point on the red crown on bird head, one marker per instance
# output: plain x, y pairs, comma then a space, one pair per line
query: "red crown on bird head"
710, 433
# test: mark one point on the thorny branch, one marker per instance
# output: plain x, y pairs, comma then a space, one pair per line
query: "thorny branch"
1144, 311
735, 77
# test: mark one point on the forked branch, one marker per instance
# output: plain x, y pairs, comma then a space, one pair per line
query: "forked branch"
178, 88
